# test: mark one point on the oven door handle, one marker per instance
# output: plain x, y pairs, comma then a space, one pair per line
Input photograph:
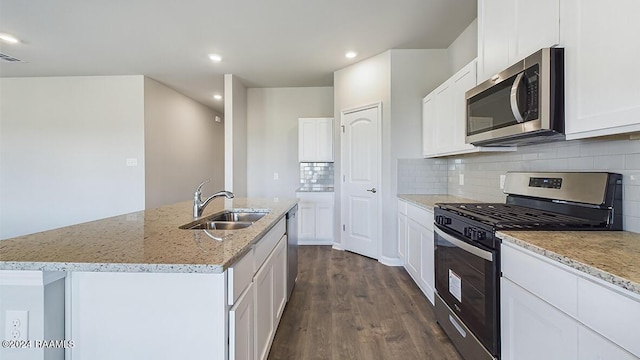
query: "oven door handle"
464, 245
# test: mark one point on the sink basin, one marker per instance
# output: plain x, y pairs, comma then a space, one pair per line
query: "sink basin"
218, 225
227, 220
232, 216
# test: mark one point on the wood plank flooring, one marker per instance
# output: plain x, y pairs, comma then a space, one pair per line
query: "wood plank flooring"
347, 306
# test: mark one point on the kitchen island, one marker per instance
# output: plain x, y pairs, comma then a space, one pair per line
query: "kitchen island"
136, 286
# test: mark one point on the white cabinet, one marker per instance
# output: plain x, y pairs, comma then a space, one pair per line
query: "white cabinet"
575, 315
444, 117
241, 345
415, 245
270, 284
315, 218
315, 140
601, 52
510, 30
533, 329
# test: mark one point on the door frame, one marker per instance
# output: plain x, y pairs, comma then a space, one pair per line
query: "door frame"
343, 242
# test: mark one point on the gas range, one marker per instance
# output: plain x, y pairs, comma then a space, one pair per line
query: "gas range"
467, 252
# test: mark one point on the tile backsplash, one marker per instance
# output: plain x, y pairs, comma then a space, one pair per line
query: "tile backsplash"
481, 172
316, 175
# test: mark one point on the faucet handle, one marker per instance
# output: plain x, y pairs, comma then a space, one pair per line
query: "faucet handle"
199, 188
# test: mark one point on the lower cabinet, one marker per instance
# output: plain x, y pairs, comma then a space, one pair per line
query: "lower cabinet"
270, 284
315, 218
415, 244
241, 319
538, 322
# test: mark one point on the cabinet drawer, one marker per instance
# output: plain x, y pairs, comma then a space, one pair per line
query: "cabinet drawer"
420, 216
402, 207
240, 275
614, 315
547, 281
264, 247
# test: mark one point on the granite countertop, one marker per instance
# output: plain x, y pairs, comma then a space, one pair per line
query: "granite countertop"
429, 201
613, 256
143, 241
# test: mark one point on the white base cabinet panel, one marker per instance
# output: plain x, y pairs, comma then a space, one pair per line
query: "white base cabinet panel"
315, 218
241, 320
552, 311
415, 238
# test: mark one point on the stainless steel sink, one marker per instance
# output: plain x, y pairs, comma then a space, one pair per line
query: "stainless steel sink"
227, 220
219, 225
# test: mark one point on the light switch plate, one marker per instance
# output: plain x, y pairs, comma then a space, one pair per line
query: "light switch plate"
461, 179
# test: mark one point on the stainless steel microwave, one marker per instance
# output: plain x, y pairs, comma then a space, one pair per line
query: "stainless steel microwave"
521, 105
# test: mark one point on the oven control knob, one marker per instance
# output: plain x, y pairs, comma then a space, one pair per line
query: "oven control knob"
442, 220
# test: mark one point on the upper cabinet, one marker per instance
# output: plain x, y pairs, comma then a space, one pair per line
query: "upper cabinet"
601, 49
510, 30
600, 53
315, 139
444, 117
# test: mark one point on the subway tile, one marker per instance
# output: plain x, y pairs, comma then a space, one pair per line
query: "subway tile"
631, 178
632, 162
631, 192
608, 162
580, 164
631, 223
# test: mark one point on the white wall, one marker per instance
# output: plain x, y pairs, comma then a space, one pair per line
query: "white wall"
464, 48
235, 135
272, 139
64, 142
183, 146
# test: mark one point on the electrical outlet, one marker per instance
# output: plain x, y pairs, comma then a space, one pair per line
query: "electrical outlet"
132, 162
16, 325
275, 176
461, 179
502, 178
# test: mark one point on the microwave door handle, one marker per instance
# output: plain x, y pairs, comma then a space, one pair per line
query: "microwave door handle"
514, 98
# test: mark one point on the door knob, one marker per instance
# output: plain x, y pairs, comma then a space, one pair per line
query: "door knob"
373, 190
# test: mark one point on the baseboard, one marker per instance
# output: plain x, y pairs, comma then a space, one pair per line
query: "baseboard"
303, 242
391, 261
337, 246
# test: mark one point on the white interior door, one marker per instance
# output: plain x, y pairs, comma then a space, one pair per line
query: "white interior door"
361, 158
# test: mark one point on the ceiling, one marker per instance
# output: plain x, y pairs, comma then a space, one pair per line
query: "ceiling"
266, 43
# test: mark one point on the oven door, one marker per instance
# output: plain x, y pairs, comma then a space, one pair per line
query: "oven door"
467, 281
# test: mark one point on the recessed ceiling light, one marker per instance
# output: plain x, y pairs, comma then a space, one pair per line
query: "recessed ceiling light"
9, 39
215, 57
351, 54
217, 97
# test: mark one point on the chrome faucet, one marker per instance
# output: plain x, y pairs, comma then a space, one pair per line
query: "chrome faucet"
199, 205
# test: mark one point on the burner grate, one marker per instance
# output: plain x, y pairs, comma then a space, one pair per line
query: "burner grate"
513, 217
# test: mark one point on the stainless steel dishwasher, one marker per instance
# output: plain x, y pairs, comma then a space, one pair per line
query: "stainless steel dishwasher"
292, 249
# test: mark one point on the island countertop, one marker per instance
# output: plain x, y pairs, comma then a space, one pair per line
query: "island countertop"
143, 241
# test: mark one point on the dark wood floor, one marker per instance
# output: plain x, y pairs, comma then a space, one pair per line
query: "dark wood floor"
346, 306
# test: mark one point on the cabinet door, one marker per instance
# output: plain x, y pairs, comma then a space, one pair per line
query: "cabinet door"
533, 329
325, 140
324, 220
592, 346
414, 250
462, 81
427, 265
307, 140
602, 96
279, 279
306, 220
536, 26
402, 237
263, 283
444, 120
428, 125
495, 23
241, 331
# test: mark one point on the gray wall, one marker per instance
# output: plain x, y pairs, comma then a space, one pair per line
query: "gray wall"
183, 146
64, 142
464, 48
272, 136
